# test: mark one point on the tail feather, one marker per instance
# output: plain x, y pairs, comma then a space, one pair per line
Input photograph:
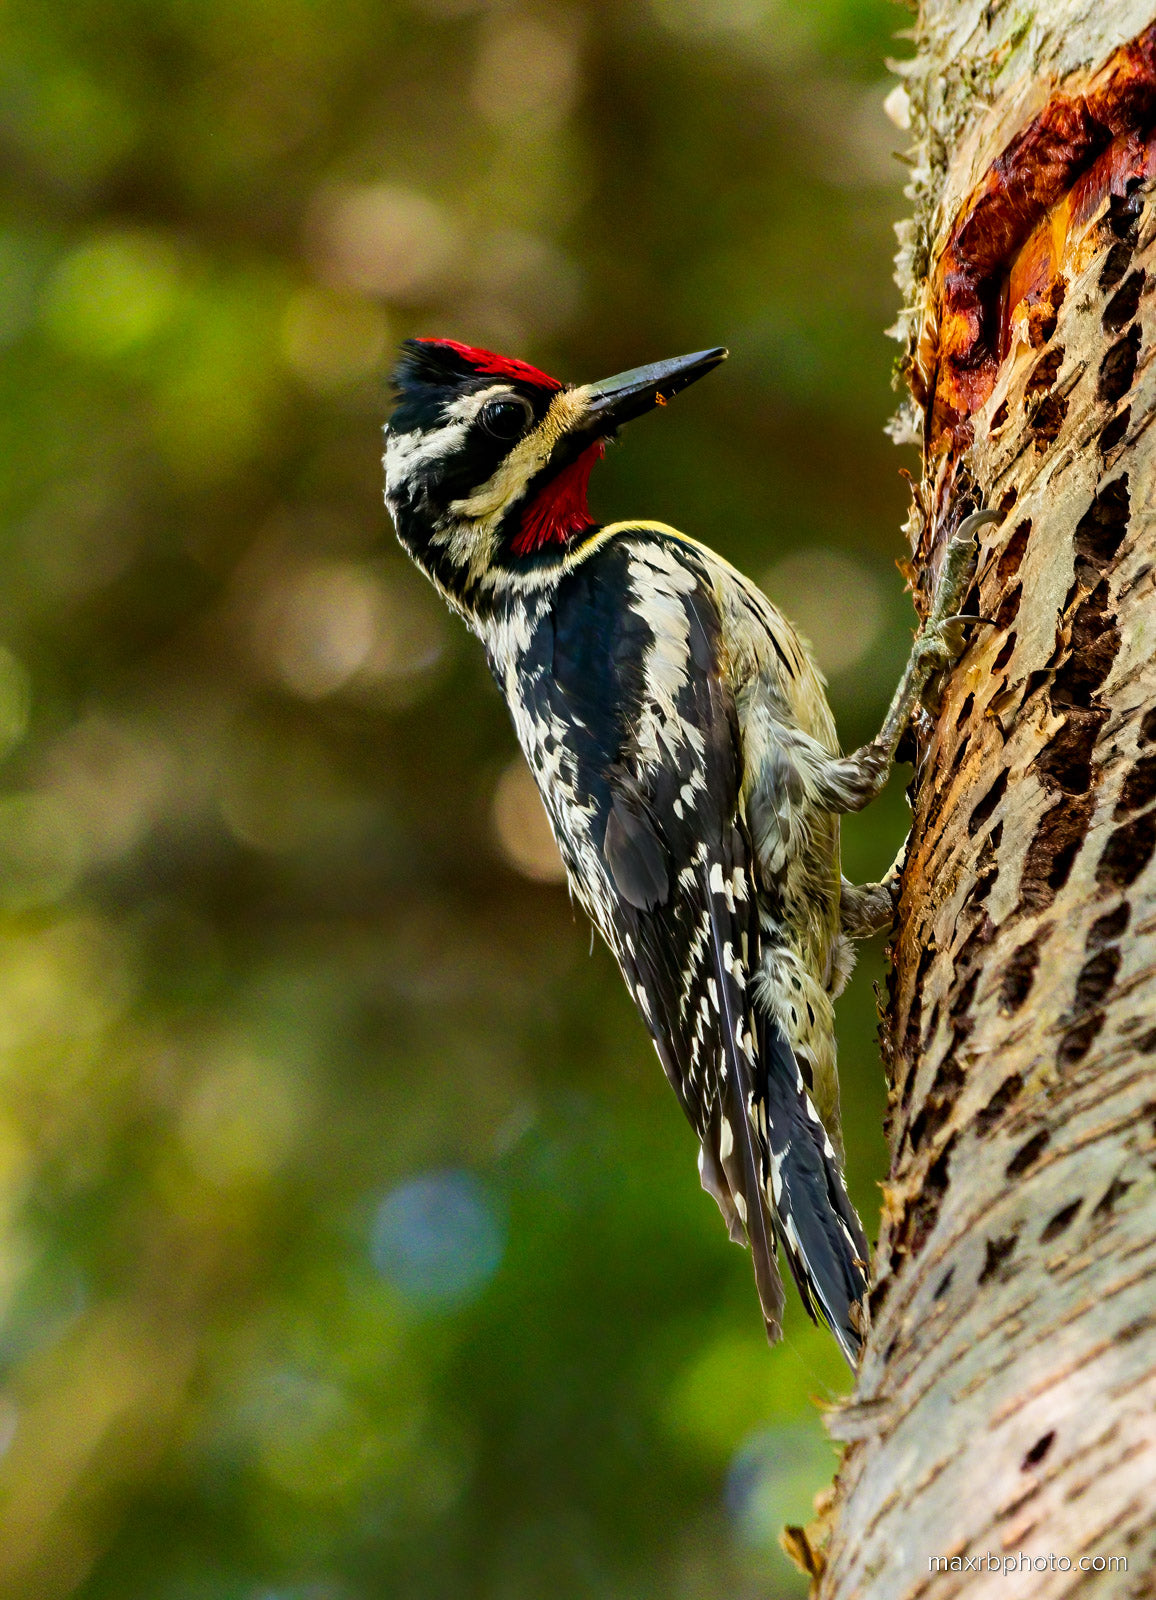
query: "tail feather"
742, 1165
766, 1154
821, 1235
736, 1138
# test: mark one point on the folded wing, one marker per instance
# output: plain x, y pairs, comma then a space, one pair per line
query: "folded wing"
678, 901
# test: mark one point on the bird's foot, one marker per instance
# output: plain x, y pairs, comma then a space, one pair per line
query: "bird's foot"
942, 640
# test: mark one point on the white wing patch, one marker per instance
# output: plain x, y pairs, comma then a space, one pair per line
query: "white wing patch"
660, 583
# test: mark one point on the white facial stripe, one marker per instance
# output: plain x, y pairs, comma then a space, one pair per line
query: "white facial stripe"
467, 406
405, 452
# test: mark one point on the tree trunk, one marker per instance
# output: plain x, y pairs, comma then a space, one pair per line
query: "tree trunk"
1005, 1414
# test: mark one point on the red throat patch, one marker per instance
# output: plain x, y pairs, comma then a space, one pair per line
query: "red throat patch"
559, 512
488, 364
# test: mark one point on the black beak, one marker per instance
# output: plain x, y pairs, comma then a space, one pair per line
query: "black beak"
629, 394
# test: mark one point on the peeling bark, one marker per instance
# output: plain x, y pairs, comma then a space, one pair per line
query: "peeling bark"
1006, 1405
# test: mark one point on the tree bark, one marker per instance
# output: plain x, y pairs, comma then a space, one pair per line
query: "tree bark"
1005, 1413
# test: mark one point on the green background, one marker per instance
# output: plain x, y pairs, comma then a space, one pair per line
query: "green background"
351, 1242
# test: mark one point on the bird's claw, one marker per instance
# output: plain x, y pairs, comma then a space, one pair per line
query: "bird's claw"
971, 524
942, 642
955, 573
969, 617
892, 884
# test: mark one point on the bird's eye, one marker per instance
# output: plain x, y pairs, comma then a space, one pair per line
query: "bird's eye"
506, 419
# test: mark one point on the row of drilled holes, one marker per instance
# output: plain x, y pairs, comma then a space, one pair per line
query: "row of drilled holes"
1062, 830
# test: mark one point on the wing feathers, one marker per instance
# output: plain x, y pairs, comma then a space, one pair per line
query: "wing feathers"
639, 661
635, 855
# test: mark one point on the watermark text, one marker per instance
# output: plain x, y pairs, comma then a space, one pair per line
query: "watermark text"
1025, 1563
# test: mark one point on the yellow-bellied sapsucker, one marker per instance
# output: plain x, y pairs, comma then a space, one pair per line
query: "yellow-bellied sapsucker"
683, 745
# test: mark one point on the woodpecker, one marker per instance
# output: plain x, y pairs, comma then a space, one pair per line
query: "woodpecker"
681, 739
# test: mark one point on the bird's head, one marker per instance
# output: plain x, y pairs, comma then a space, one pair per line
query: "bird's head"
487, 460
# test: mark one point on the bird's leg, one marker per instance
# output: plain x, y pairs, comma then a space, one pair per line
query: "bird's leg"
869, 908
852, 781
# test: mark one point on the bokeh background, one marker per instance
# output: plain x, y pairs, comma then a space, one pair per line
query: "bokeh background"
351, 1242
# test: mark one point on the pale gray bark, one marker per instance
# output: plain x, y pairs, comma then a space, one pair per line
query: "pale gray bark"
1007, 1400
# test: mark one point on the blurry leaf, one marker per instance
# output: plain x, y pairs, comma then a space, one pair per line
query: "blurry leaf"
41, 857
112, 294
350, 1238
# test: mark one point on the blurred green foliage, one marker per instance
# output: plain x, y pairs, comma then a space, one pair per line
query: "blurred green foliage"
351, 1242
